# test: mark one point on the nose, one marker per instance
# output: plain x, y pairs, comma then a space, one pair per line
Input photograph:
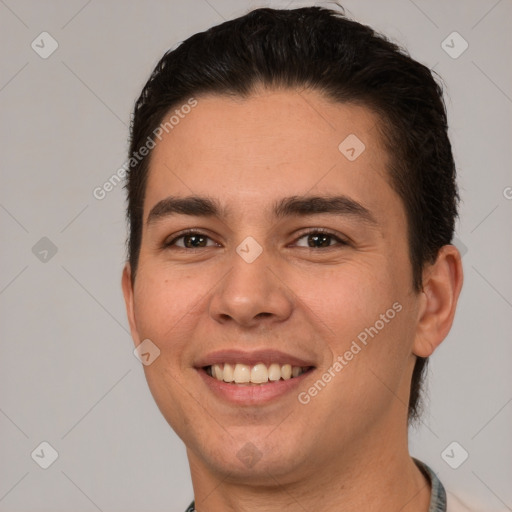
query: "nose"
251, 294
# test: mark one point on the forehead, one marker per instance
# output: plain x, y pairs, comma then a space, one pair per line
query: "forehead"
252, 150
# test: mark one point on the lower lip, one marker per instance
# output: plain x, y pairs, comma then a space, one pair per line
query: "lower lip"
252, 394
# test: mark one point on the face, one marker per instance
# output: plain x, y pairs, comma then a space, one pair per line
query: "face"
298, 256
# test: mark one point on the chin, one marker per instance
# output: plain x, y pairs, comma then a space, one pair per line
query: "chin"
257, 460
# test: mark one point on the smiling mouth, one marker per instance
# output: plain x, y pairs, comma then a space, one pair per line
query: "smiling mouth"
258, 374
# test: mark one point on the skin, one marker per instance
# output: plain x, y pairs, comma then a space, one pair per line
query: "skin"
347, 448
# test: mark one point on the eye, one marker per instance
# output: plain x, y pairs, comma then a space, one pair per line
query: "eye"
319, 238
191, 240
313, 239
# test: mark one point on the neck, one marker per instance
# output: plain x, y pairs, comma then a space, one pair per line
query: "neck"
378, 474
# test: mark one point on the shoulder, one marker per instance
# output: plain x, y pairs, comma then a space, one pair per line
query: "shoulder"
459, 502
454, 504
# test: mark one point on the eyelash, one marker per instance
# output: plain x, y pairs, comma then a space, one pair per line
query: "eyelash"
191, 232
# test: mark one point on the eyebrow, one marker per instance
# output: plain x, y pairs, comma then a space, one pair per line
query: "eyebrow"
286, 207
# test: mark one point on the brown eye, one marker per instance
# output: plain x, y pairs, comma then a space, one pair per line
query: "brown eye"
318, 239
191, 240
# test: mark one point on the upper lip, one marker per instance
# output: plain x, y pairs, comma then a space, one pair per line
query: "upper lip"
250, 358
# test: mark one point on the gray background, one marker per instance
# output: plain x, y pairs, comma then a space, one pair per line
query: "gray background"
68, 374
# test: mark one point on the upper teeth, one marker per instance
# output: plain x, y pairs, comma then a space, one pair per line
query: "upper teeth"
257, 374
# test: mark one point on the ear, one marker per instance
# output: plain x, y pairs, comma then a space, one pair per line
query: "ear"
126, 283
442, 282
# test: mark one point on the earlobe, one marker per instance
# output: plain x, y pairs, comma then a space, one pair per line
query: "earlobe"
442, 282
127, 286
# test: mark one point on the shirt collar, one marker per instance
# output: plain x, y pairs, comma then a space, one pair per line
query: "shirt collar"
437, 494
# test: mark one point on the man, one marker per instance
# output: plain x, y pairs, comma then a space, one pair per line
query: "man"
291, 199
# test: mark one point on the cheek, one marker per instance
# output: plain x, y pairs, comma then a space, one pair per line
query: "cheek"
345, 301
165, 305
364, 314
166, 312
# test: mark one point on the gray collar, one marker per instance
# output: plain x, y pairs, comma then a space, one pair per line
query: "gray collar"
438, 494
